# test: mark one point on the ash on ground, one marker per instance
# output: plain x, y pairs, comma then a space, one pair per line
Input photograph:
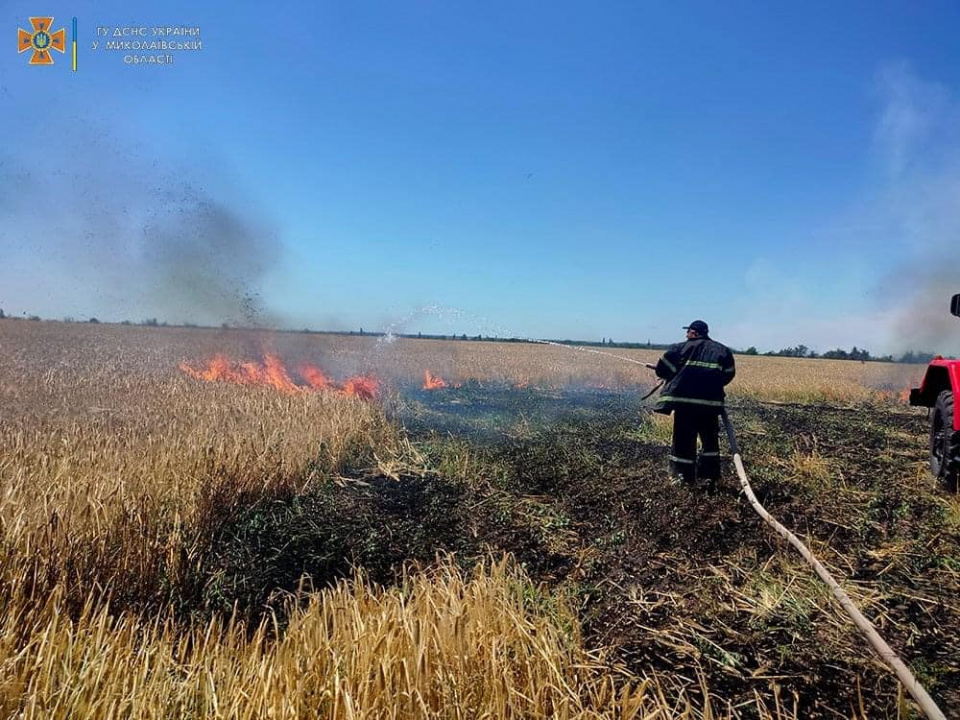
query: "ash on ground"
490, 412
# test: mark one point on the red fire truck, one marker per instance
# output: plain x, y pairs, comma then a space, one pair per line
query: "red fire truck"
940, 391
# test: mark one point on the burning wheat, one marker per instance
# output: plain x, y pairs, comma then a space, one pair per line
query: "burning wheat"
120, 476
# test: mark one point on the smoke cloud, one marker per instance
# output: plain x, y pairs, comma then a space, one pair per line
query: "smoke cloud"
918, 144
110, 229
205, 259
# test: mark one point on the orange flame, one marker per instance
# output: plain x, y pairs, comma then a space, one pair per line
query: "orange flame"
431, 382
316, 378
274, 373
362, 386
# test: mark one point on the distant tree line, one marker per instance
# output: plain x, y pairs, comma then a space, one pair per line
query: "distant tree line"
798, 351
855, 353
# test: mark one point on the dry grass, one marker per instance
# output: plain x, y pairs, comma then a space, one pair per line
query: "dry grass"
116, 471
764, 378
808, 467
657, 428
127, 500
129, 356
439, 646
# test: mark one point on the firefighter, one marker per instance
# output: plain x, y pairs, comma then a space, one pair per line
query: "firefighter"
696, 372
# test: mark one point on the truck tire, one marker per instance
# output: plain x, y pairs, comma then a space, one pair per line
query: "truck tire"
944, 443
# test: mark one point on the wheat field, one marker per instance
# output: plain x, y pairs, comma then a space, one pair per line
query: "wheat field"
118, 471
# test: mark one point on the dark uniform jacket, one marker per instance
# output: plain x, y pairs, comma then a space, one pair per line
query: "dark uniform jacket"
696, 372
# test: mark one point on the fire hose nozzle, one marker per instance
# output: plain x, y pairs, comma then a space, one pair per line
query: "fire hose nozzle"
650, 365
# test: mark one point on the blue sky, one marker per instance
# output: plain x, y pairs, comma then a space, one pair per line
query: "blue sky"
790, 174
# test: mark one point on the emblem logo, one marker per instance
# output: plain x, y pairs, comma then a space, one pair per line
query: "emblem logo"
41, 40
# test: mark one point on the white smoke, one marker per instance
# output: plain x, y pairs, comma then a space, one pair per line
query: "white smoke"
918, 143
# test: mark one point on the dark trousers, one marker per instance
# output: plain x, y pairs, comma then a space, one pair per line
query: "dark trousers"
690, 421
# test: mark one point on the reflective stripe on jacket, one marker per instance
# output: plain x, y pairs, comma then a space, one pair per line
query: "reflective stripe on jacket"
696, 372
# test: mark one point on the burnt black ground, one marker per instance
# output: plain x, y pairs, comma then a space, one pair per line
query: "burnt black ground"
669, 579
597, 488
493, 412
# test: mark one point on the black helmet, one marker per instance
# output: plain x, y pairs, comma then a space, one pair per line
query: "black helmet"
699, 327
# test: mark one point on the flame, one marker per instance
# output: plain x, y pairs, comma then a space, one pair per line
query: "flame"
316, 378
274, 373
218, 369
901, 397
431, 382
362, 386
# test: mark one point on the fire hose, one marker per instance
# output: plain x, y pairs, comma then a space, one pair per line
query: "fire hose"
916, 690
886, 653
